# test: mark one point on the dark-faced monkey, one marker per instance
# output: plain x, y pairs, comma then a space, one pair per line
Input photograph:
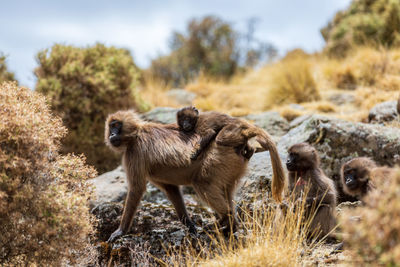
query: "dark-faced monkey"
161, 154
306, 174
361, 175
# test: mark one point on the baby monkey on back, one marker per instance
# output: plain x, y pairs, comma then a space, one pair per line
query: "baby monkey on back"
306, 174
209, 124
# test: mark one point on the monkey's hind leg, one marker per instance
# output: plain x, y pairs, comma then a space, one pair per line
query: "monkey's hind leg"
174, 195
219, 198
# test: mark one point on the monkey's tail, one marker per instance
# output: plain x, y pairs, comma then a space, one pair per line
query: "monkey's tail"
279, 176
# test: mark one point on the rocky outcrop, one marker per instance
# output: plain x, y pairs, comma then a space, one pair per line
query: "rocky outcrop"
161, 114
270, 121
181, 96
383, 112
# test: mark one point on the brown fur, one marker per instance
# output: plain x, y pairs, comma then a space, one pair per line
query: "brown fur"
366, 175
306, 174
398, 106
234, 132
161, 154
208, 128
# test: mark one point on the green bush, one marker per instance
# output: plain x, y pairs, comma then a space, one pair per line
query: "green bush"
44, 213
365, 22
5, 75
83, 86
212, 47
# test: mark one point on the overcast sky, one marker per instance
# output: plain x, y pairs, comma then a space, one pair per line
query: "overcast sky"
144, 27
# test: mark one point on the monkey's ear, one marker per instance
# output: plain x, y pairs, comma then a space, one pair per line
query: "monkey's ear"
195, 110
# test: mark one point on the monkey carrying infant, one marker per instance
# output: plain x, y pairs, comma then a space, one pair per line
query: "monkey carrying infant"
168, 157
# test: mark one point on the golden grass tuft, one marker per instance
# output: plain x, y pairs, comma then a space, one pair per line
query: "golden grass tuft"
291, 81
269, 237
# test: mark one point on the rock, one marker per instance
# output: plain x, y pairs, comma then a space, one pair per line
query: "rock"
383, 112
338, 141
341, 98
161, 114
299, 120
181, 96
109, 187
270, 121
297, 107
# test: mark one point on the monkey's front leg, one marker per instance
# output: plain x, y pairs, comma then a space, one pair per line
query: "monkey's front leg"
131, 203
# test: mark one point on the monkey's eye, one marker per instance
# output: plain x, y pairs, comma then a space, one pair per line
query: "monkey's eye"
116, 124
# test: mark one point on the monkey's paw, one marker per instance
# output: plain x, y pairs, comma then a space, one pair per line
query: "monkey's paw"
115, 235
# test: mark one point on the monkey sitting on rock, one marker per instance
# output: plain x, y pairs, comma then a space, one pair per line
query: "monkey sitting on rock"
306, 177
360, 176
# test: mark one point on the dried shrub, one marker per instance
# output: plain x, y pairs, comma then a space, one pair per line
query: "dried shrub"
292, 82
375, 238
44, 214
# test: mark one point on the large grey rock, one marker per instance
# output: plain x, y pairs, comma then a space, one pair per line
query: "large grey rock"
383, 112
339, 141
270, 121
161, 114
109, 187
181, 96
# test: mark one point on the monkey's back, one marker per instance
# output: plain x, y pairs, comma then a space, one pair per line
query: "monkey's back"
214, 120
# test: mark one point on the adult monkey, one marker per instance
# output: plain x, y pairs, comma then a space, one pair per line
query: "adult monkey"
161, 154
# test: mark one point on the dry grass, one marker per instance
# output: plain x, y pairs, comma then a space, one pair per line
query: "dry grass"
370, 76
154, 92
269, 238
291, 81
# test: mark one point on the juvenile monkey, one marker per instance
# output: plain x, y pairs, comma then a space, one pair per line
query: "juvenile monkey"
229, 131
207, 125
161, 154
305, 173
361, 175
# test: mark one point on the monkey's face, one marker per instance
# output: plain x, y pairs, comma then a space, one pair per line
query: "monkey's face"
120, 128
302, 157
355, 174
115, 133
187, 118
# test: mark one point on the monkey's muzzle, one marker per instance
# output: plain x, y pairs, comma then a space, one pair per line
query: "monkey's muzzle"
290, 165
350, 181
115, 139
